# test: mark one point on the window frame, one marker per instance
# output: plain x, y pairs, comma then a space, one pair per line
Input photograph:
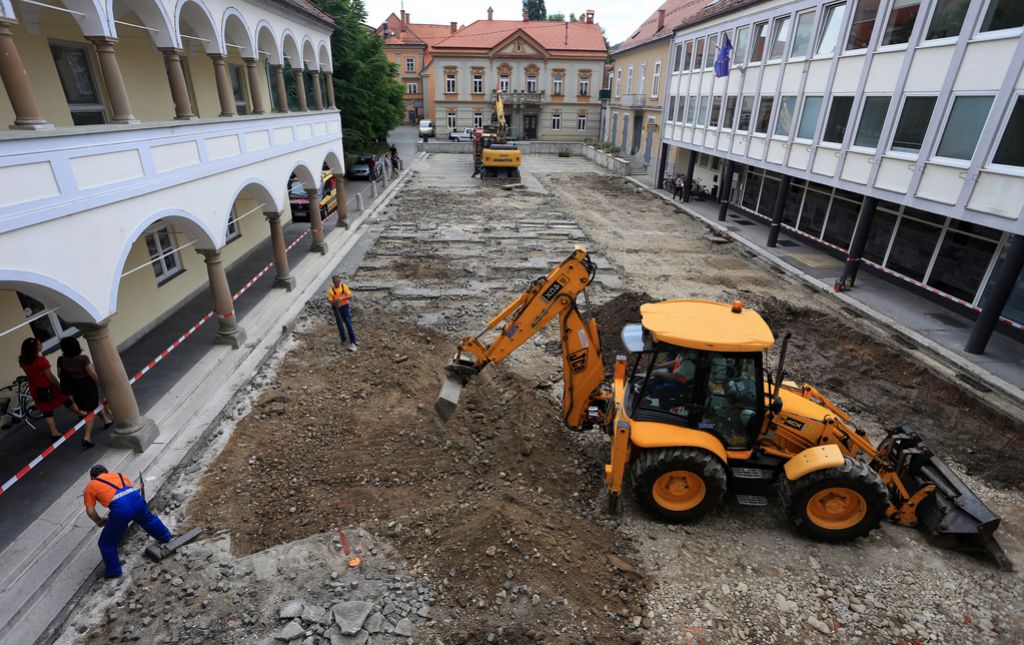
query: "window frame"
412, 87
932, 9
860, 118
162, 254
729, 122
940, 133
780, 23
531, 79
556, 120
557, 84
94, 79
656, 79
828, 115
810, 39
581, 122
478, 119
793, 120
641, 89
477, 79
826, 12
757, 116
410, 65
888, 47
1004, 122
900, 154
451, 83
452, 120
504, 82
995, 33
850, 27
629, 80
740, 54
583, 87
233, 231
800, 119
618, 81
687, 58
757, 31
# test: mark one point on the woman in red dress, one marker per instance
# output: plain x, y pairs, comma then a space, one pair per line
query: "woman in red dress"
43, 384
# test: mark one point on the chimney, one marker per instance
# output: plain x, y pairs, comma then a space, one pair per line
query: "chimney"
526, 15
408, 17
454, 26
403, 16
590, 16
661, 19
490, 13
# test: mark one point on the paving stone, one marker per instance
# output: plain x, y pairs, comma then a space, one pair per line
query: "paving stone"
291, 631
291, 609
404, 627
351, 615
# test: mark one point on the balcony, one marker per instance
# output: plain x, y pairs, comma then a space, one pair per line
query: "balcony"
632, 100
520, 97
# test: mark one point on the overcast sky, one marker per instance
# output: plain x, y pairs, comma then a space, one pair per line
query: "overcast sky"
620, 18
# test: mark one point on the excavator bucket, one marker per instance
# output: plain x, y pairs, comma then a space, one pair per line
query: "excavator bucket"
951, 516
456, 375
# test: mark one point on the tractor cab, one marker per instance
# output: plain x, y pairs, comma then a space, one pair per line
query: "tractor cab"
699, 365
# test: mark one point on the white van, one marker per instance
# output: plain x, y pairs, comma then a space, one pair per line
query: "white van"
426, 128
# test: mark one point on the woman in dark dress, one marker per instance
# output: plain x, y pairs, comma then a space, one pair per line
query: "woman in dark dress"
43, 385
81, 383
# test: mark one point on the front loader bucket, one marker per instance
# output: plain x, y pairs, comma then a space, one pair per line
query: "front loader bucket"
456, 375
952, 516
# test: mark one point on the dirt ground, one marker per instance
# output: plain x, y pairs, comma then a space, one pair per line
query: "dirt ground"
496, 518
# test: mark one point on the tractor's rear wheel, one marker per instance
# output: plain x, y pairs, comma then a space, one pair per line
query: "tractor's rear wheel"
836, 504
678, 484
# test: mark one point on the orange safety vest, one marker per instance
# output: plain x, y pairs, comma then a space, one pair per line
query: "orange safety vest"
342, 294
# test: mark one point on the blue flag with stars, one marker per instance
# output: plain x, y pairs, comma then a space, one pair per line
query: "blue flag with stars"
722, 62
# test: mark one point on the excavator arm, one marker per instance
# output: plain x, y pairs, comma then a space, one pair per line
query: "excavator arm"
545, 299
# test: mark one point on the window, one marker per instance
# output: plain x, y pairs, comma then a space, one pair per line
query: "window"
838, 119
233, 233
780, 37
49, 328
757, 44
618, 81
917, 111
901, 21
452, 120
556, 84
731, 412
947, 19
236, 75
673, 388
712, 50
629, 80
531, 83
702, 111
585, 86
764, 115
783, 124
478, 83
809, 118
962, 260
581, 121
863, 24
671, 109
656, 81
746, 113
478, 119
77, 80
162, 254
716, 110
643, 79
1010, 152
691, 109
688, 57
814, 212
698, 55
678, 54
503, 82
410, 65
449, 84
412, 88
730, 112
739, 53
679, 109
872, 117
963, 127
802, 37
1003, 14
914, 244
831, 25
556, 121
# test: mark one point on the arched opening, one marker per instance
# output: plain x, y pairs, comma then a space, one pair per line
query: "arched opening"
142, 28
292, 61
255, 214
324, 61
269, 57
240, 47
199, 39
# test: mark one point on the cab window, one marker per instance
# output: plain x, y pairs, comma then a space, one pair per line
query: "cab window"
731, 409
671, 387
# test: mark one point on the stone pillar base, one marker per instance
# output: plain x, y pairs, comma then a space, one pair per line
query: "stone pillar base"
286, 283
137, 436
234, 338
131, 121
32, 126
319, 247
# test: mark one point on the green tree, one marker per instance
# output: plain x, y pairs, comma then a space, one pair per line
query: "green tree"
366, 88
535, 9
556, 17
572, 17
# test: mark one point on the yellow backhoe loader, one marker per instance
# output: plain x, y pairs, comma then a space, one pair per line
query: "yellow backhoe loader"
696, 413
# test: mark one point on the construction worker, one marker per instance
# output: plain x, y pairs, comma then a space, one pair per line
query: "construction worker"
339, 296
127, 505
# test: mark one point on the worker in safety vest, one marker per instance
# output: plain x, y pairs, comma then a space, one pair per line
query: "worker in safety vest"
127, 505
339, 296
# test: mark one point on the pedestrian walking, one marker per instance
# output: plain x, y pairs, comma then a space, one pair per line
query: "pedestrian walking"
396, 162
43, 385
126, 504
79, 381
339, 296
373, 167
680, 183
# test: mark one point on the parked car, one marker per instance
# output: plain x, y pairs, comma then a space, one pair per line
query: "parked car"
360, 168
426, 128
462, 134
298, 198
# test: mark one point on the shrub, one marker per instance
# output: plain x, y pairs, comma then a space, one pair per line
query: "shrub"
615, 150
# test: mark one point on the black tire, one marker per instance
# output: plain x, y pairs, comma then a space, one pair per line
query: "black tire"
652, 465
854, 475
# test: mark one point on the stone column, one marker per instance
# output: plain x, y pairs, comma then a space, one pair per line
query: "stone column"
176, 78
12, 71
1001, 286
229, 333
131, 429
342, 203
282, 92
778, 210
857, 244
687, 187
254, 86
316, 225
300, 88
112, 79
284, 278
224, 91
318, 97
329, 82
724, 189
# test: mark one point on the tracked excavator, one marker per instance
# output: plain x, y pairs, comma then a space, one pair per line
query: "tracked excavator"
493, 156
695, 413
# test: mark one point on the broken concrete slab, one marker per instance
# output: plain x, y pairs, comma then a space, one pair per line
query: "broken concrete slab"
291, 609
157, 552
315, 614
404, 627
291, 631
337, 638
374, 624
351, 615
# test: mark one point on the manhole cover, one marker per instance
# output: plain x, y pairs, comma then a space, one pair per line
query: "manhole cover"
949, 319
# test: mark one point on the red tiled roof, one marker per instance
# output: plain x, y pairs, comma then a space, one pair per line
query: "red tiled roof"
415, 33
676, 12
310, 9
577, 37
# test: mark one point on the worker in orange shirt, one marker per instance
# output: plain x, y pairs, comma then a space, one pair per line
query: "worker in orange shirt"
127, 505
339, 296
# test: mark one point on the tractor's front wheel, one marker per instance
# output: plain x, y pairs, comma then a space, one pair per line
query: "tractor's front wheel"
836, 504
678, 484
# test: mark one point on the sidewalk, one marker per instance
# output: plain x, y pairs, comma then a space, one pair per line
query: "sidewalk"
938, 328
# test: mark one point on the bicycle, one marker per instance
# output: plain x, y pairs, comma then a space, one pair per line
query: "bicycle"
25, 410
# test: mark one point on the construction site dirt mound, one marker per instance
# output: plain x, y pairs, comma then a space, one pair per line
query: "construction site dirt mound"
494, 508
612, 316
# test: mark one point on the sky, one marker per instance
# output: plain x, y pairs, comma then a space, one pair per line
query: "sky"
620, 18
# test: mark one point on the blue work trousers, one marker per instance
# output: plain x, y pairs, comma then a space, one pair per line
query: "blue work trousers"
124, 511
343, 316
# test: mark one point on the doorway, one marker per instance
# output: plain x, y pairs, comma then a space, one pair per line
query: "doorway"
638, 124
529, 126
